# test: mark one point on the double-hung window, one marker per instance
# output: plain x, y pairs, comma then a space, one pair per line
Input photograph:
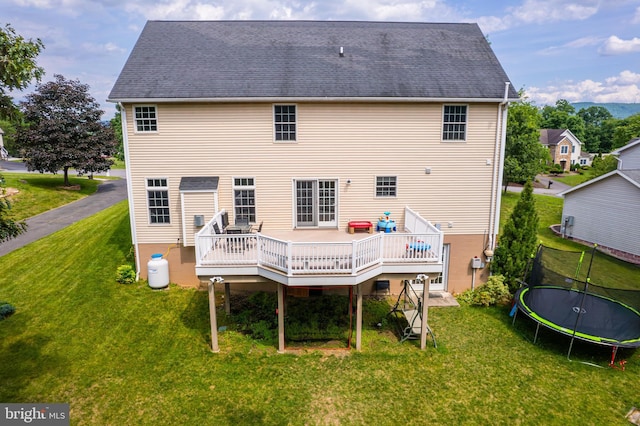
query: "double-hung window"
284, 120
244, 199
146, 118
386, 186
454, 125
158, 200
564, 149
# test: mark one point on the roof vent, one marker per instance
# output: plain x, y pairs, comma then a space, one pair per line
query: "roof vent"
341, 51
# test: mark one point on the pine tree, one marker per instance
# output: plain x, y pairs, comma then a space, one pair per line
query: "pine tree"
518, 240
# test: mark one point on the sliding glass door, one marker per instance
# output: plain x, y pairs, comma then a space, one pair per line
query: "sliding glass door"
315, 203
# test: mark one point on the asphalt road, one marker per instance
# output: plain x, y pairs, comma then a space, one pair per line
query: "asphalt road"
108, 193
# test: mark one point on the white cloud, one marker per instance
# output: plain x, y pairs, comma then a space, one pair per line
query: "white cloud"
106, 47
540, 12
545, 11
575, 44
624, 87
617, 46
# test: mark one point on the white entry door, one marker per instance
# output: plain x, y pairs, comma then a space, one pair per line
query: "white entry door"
315, 203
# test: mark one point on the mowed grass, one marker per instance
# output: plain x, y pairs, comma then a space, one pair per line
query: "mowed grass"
130, 355
606, 271
39, 193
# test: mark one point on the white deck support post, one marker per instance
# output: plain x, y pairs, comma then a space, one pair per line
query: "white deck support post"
359, 317
280, 318
227, 298
425, 312
212, 317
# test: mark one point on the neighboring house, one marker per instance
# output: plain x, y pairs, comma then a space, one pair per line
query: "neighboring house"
4, 155
304, 127
605, 210
564, 147
586, 159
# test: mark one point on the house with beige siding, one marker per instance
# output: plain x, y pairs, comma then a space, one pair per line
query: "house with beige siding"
565, 149
604, 210
307, 128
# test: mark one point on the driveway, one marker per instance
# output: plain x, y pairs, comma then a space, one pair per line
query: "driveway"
108, 193
555, 189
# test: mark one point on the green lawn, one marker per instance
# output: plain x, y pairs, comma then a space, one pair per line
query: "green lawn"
130, 355
575, 179
42, 192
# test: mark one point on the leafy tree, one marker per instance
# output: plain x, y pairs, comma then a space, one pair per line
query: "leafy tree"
602, 165
525, 156
598, 123
18, 66
9, 228
628, 129
116, 125
517, 242
17, 69
563, 116
64, 130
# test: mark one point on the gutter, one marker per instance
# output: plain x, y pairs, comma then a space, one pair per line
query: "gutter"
308, 99
498, 170
132, 222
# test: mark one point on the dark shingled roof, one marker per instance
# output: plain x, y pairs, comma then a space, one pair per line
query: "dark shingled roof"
551, 137
301, 59
198, 183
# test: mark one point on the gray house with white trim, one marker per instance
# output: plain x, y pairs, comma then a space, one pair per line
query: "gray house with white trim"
606, 210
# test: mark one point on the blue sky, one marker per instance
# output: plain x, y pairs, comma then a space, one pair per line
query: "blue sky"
579, 50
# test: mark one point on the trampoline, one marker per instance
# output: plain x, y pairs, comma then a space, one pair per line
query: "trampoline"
557, 294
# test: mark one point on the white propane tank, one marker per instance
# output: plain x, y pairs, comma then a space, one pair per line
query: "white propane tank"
158, 271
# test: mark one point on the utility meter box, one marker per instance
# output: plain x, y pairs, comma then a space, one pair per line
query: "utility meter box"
476, 263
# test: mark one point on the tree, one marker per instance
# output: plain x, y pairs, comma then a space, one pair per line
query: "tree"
9, 228
517, 242
18, 66
563, 116
599, 125
628, 129
602, 165
116, 125
63, 130
525, 156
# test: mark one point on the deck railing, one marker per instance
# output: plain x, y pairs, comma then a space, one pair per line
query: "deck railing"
423, 243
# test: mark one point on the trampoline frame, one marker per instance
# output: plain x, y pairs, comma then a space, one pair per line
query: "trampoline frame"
573, 333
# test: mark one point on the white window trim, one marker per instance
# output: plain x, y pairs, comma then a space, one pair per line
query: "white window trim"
135, 122
148, 188
273, 122
466, 128
375, 186
234, 187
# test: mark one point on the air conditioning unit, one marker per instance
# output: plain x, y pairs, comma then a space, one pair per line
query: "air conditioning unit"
198, 220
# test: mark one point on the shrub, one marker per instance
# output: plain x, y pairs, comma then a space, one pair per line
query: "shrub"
494, 292
125, 274
6, 310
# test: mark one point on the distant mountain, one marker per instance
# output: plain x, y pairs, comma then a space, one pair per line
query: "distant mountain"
618, 110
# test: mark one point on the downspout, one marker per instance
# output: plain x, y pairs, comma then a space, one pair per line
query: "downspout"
127, 163
498, 165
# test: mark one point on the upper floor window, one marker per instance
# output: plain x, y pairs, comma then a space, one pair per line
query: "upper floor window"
284, 119
564, 149
244, 199
158, 200
454, 123
573, 149
386, 186
146, 119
